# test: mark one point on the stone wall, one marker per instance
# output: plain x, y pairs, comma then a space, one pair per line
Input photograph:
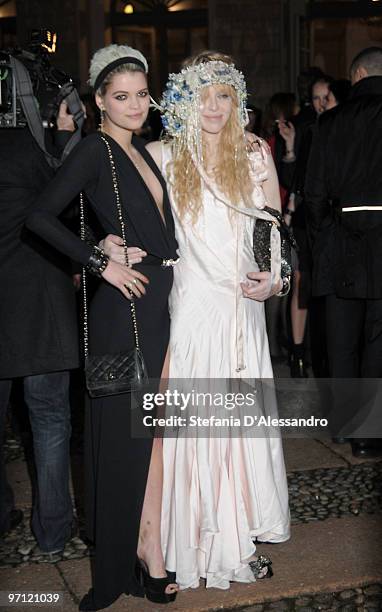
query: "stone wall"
251, 31
80, 26
61, 16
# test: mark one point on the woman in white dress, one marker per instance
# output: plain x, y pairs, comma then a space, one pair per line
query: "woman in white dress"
219, 493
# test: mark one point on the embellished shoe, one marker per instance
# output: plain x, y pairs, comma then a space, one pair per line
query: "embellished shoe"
155, 588
258, 566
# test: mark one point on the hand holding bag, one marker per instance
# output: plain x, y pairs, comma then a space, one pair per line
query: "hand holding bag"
262, 243
114, 373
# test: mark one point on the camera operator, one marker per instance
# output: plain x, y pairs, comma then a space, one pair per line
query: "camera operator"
38, 328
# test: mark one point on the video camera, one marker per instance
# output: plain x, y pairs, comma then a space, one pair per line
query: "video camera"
31, 91
50, 85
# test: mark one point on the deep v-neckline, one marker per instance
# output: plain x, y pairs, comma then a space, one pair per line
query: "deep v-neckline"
143, 182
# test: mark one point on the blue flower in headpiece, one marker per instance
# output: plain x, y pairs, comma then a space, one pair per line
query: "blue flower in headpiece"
172, 95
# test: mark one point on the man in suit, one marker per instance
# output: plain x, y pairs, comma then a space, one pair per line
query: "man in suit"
343, 193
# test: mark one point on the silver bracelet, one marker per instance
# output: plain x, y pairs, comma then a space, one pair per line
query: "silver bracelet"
285, 288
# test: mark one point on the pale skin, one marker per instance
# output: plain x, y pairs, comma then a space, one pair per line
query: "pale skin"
125, 106
288, 133
320, 93
358, 74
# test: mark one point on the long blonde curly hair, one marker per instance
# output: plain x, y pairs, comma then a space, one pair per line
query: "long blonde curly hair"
232, 171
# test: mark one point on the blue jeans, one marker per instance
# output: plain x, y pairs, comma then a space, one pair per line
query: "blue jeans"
47, 398
6, 494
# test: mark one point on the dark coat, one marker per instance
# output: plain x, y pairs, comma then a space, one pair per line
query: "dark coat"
38, 321
345, 169
285, 170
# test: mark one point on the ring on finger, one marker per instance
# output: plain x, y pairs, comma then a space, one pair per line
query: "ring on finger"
135, 281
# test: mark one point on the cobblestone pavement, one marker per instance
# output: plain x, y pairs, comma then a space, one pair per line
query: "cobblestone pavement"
314, 495
366, 599
325, 493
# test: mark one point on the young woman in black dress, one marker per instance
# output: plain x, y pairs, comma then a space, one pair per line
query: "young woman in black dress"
123, 514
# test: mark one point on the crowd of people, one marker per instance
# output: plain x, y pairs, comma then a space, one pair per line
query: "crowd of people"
332, 315
179, 288
288, 125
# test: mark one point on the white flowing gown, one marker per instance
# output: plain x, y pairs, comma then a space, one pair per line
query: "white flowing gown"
219, 493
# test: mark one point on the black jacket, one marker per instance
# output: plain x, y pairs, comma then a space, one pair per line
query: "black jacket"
38, 321
345, 169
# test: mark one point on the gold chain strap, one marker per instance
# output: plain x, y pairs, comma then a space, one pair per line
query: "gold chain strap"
84, 285
120, 217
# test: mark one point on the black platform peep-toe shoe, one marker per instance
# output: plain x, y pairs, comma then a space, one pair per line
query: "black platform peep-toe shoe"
259, 565
155, 588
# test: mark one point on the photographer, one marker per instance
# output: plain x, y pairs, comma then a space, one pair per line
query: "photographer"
38, 324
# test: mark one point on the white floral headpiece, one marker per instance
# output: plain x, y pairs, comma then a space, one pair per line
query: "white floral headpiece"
180, 105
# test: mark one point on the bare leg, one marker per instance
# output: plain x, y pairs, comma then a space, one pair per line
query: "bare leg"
298, 315
149, 544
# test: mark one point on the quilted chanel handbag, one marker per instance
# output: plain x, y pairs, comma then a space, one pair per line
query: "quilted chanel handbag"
262, 243
111, 374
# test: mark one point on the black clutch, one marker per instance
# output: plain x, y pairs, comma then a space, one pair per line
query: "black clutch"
262, 243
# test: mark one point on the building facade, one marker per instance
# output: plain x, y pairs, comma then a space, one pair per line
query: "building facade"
271, 40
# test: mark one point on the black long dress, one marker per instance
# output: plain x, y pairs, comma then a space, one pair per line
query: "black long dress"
116, 461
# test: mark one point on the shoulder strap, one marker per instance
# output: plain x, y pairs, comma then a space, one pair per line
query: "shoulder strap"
28, 103
123, 232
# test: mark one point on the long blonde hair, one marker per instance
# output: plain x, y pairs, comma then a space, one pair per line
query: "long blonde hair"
232, 171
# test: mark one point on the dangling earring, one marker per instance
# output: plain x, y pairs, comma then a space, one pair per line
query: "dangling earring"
102, 117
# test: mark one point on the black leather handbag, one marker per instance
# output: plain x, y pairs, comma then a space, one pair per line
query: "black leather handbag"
262, 243
115, 373
112, 374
